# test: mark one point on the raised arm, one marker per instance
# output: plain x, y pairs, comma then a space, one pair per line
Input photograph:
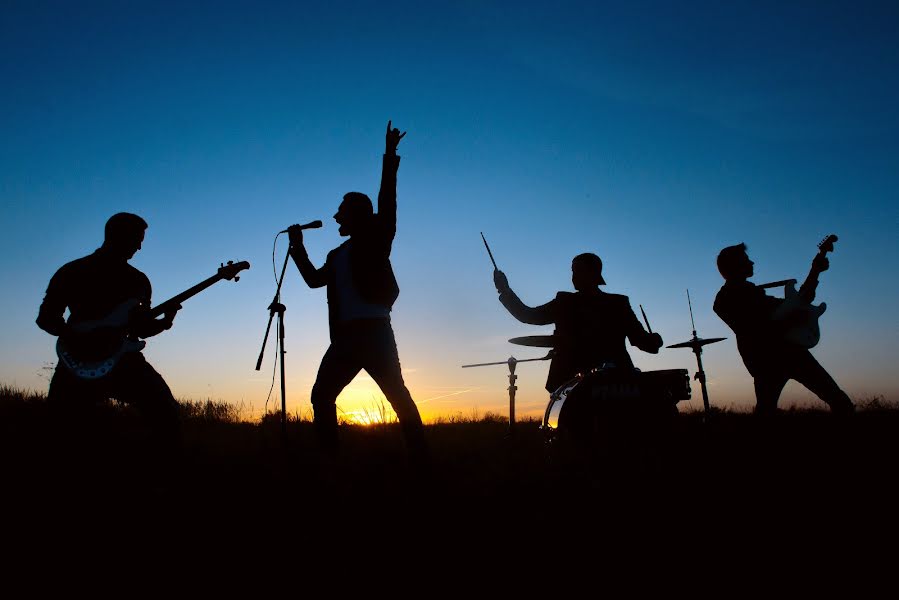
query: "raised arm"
540, 315
387, 192
807, 291
314, 278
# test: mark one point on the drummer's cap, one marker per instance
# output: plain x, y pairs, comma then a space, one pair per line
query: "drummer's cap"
588, 258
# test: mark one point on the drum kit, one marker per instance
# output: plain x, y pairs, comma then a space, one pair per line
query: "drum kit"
602, 397
606, 385
649, 393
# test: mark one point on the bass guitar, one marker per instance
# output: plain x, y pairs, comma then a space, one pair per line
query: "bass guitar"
802, 317
96, 346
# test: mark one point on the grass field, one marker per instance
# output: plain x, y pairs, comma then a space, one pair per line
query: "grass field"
698, 473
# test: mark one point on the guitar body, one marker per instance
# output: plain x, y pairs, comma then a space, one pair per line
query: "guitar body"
96, 347
801, 318
87, 367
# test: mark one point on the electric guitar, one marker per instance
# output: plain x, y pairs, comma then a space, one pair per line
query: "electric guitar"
801, 317
96, 346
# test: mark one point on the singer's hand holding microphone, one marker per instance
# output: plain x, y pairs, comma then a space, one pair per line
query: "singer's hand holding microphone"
295, 232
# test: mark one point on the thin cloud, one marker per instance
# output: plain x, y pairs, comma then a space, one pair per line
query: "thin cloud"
445, 395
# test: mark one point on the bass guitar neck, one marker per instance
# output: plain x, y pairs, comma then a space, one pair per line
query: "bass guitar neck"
101, 343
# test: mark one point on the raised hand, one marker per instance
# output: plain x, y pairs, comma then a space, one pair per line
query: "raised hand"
393, 138
500, 281
820, 263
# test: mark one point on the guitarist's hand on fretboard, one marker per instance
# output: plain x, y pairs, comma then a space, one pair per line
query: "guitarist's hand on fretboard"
169, 315
820, 263
145, 325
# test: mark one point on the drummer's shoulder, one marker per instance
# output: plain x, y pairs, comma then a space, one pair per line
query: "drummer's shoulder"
593, 296
602, 299
618, 299
619, 303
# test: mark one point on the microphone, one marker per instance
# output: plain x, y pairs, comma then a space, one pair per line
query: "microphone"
312, 225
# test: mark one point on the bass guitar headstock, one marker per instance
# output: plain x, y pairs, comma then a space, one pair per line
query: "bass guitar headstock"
231, 270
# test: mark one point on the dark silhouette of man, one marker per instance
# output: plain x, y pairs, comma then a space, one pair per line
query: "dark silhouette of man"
91, 288
591, 325
361, 290
771, 359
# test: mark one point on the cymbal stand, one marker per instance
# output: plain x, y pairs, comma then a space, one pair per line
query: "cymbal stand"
696, 346
511, 363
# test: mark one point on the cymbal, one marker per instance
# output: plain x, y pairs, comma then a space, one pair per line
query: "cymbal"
539, 341
696, 342
511, 361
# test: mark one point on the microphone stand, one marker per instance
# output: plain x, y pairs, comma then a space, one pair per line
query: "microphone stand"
277, 308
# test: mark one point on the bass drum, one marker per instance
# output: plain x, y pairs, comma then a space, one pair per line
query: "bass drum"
605, 398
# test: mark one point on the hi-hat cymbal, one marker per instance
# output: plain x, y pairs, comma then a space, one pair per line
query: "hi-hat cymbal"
696, 342
539, 341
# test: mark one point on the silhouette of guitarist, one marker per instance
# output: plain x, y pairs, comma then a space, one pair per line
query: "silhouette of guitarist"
770, 357
91, 288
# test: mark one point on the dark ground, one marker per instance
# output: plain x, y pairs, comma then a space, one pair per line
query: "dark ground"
697, 485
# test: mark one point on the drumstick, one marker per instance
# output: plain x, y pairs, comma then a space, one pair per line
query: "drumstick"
645, 320
495, 268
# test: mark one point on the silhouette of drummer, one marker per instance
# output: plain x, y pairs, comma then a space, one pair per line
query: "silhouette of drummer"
591, 325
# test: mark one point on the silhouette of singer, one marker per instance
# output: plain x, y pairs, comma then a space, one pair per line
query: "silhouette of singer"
591, 325
361, 290
771, 359
92, 288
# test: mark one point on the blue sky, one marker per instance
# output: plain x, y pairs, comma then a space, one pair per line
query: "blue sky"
650, 133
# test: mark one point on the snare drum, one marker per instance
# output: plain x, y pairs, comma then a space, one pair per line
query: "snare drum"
608, 394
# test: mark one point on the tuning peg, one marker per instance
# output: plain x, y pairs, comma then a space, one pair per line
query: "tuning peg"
237, 278
230, 262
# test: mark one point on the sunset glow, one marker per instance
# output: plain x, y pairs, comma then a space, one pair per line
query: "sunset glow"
652, 137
